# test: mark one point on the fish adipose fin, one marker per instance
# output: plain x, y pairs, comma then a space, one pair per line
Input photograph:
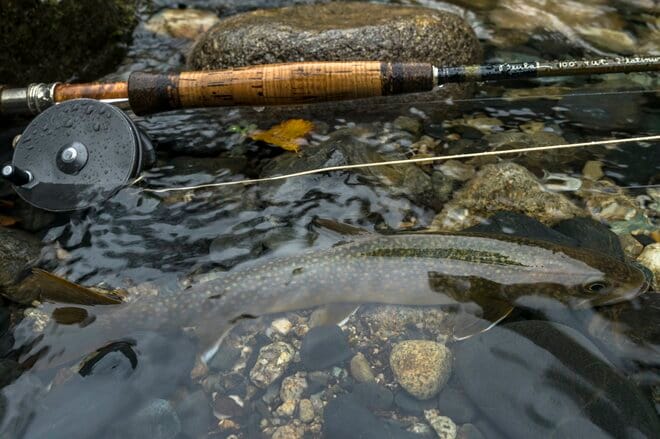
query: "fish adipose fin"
57, 289
493, 312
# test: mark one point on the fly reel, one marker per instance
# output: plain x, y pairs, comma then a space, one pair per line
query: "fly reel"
77, 154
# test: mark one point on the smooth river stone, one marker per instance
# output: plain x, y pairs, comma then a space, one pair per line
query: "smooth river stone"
539, 379
421, 367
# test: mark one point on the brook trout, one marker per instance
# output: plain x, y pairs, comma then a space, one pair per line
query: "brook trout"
493, 271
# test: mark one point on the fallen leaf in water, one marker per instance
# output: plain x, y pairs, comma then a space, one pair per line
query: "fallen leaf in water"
287, 135
7, 221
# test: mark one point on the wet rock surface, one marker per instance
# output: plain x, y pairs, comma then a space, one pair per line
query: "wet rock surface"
63, 40
421, 367
503, 186
347, 31
565, 381
17, 249
324, 346
270, 364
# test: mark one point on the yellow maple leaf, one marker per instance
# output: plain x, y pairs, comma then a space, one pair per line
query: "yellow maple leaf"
287, 135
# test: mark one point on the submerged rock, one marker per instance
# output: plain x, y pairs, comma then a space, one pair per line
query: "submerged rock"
156, 420
631, 330
339, 31
566, 381
360, 369
650, 258
271, 363
324, 346
373, 395
503, 186
63, 40
443, 426
607, 202
351, 146
421, 367
345, 418
17, 249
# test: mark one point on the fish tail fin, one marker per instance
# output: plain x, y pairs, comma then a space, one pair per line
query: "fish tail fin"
58, 289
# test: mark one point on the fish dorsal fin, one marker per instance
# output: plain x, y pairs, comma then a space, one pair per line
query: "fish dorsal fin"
493, 311
58, 289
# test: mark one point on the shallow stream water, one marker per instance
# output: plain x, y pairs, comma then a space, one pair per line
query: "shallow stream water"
593, 379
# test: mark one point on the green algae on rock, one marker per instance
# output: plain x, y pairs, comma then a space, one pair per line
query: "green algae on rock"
63, 40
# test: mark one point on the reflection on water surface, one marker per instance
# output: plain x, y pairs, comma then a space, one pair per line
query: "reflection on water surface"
589, 373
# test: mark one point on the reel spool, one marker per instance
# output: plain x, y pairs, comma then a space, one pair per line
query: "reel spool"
77, 154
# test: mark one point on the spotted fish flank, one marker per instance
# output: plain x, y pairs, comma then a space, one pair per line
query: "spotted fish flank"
493, 271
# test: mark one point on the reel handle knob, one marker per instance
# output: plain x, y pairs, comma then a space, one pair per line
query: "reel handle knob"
15, 175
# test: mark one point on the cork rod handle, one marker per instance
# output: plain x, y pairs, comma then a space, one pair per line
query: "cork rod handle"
277, 84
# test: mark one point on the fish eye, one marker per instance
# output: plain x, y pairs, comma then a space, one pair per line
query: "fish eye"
596, 287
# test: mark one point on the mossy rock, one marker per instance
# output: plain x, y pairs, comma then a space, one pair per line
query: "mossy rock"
63, 40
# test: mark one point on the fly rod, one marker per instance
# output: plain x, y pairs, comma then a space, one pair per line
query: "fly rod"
296, 83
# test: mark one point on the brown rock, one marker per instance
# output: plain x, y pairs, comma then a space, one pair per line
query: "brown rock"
503, 186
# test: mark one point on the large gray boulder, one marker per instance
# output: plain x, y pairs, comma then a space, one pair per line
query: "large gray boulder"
341, 31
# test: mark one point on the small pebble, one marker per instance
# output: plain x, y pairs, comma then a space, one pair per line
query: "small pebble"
317, 380
225, 358
293, 387
421, 367
650, 258
593, 170
282, 326
443, 426
289, 432
360, 369
271, 363
631, 246
457, 170
288, 408
306, 410
324, 346
408, 124
226, 407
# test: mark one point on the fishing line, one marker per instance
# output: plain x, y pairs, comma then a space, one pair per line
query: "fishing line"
407, 161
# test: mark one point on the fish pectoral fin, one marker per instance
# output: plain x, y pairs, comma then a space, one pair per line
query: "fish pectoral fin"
493, 311
332, 314
58, 289
340, 228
